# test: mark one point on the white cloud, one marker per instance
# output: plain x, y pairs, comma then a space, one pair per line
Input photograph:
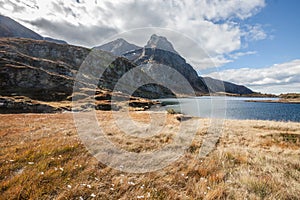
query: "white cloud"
210, 23
279, 78
226, 9
241, 54
254, 33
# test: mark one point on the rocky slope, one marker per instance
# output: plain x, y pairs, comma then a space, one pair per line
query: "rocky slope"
38, 69
11, 28
37, 74
152, 58
216, 85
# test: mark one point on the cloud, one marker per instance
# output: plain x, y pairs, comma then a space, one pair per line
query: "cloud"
241, 54
89, 22
279, 78
92, 34
254, 33
222, 10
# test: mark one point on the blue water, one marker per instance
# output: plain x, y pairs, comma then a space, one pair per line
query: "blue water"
236, 108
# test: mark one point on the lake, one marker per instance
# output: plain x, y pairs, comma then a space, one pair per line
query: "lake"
234, 108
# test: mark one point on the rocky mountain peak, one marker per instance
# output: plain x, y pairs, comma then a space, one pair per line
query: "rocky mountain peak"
160, 42
118, 47
11, 28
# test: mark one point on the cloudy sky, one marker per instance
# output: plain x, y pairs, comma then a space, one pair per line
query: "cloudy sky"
250, 42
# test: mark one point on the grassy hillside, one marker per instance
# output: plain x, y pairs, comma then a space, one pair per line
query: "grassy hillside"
42, 157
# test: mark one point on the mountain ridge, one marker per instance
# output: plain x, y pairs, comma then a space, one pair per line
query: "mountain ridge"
118, 47
168, 54
11, 28
216, 86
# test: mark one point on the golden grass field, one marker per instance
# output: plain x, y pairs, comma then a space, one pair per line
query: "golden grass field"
42, 157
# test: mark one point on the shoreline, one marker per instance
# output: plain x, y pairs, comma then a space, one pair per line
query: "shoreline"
287, 101
147, 112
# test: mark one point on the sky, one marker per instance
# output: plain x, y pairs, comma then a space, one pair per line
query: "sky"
255, 43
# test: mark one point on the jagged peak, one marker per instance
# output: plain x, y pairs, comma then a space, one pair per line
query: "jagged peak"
118, 47
160, 42
121, 40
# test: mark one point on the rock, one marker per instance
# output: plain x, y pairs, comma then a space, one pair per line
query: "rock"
181, 117
107, 107
11, 105
37, 69
141, 104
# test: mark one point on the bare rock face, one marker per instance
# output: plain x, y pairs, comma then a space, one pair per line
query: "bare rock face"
152, 58
38, 69
160, 42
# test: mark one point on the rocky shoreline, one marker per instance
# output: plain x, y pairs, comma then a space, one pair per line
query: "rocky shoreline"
100, 101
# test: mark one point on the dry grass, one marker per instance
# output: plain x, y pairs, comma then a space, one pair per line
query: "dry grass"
42, 157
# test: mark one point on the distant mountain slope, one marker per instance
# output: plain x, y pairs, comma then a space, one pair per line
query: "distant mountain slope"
54, 40
216, 85
11, 28
118, 47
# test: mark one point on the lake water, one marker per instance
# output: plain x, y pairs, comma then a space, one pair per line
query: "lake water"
235, 108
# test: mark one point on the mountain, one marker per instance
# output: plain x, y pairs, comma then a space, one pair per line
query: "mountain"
38, 69
216, 85
39, 76
11, 28
47, 71
159, 42
118, 47
159, 51
152, 58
